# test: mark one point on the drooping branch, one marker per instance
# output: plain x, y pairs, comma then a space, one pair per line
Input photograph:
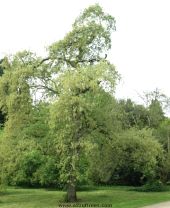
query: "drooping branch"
41, 62
45, 87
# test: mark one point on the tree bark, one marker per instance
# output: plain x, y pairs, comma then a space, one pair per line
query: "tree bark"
71, 191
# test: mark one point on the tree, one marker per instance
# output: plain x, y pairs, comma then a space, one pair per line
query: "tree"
16, 103
155, 95
15, 95
2, 117
163, 134
142, 155
156, 114
71, 76
73, 118
130, 157
133, 115
30, 158
84, 46
157, 104
1, 68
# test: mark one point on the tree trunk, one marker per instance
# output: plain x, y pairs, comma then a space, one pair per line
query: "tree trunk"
71, 191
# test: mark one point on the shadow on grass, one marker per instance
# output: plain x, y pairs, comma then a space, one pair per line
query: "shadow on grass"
87, 188
79, 188
101, 187
148, 189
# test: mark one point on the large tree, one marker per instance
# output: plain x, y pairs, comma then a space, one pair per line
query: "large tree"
72, 77
78, 68
73, 117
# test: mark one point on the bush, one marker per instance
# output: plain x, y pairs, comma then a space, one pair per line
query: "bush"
153, 186
131, 157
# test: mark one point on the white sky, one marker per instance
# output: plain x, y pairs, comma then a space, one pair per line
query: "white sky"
141, 44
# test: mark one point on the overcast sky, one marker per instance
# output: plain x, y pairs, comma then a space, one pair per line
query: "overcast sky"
140, 46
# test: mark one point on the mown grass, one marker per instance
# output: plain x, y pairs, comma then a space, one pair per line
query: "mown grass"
119, 197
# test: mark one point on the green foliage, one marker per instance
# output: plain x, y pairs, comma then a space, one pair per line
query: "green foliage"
164, 169
36, 169
88, 41
130, 153
1, 68
153, 186
141, 151
27, 167
139, 116
163, 134
74, 116
155, 96
2, 116
133, 115
156, 114
15, 98
48, 173
31, 159
27, 164
26, 147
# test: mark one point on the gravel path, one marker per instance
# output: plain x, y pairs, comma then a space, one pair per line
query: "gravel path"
160, 205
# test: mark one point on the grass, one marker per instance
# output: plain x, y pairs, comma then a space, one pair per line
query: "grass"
119, 197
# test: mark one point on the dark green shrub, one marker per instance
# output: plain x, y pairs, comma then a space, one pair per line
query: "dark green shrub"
153, 186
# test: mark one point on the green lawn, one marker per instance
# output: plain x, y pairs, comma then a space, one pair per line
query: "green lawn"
119, 197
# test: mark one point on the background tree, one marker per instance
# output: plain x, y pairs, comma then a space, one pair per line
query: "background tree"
163, 134
131, 157
157, 104
133, 115
156, 114
2, 116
